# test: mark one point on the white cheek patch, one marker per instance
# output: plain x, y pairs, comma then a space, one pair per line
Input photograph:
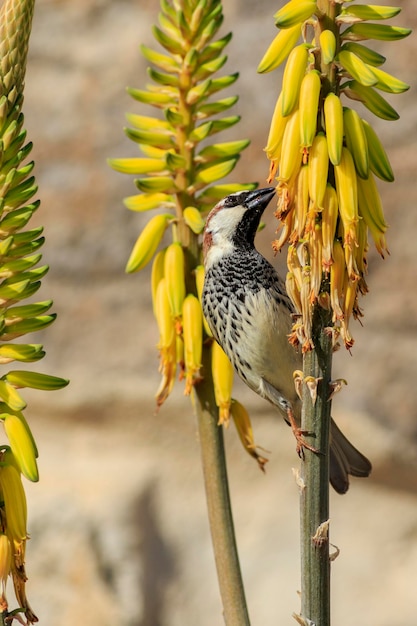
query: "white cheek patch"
222, 227
217, 252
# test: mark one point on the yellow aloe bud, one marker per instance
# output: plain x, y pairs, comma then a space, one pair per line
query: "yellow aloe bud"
327, 46
22, 445
337, 276
14, 503
333, 115
318, 167
244, 428
11, 396
193, 219
199, 281
147, 242
175, 280
276, 131
157, 275
222, 371
192, 319
309, 103
347, 194
280, 48
328, 223
291, 153
5, 563
294, 72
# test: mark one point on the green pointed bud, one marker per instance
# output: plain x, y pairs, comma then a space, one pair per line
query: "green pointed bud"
35, 380
361, 31
214, 172
26, 353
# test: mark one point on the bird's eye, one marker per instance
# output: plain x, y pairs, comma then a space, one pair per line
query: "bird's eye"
233, 200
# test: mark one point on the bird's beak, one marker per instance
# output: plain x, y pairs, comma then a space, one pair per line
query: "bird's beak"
259, 199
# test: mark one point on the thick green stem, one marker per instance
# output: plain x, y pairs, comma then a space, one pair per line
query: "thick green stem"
219, 505
314, 498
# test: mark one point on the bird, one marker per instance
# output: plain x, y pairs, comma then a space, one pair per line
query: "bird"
249, 312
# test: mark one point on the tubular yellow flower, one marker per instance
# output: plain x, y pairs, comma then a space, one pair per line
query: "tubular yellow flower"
199, 280
243, 425
329, 217
5, 561
22, 445
157, 275
347, 194
337, 275
301, 199
193, 341
167, 342
318, 166
276, 132
222, 371
291, 151
174, 273
333, 115
14, 503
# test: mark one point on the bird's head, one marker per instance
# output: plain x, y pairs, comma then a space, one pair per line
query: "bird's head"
233, 222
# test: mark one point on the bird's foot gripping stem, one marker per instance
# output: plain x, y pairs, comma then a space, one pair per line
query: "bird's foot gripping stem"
299, 435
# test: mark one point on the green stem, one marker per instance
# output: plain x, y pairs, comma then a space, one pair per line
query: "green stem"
219, 505
314, 498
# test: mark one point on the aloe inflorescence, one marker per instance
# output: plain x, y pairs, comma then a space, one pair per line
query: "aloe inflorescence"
325, 156
178, 174
20, 279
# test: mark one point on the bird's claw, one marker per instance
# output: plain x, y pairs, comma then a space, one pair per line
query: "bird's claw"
302, 443
299, 435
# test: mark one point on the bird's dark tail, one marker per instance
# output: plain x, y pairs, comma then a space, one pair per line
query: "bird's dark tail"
345, 459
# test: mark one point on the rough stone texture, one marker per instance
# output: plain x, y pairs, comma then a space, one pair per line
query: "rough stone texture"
118, 525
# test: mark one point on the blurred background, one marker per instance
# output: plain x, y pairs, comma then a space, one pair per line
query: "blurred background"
118, 520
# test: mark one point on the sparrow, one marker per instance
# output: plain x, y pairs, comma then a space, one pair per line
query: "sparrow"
250, 314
